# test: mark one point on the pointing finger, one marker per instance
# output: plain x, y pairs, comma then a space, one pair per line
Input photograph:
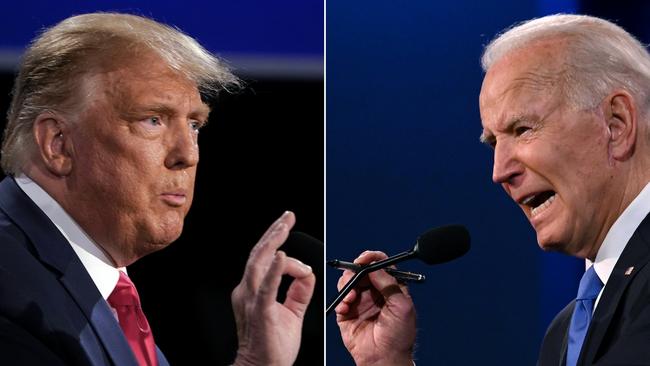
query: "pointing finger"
263, 253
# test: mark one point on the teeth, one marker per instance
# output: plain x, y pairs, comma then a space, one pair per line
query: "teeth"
525, 202
543, 206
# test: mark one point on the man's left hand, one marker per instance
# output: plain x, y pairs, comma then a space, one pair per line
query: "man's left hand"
268, 331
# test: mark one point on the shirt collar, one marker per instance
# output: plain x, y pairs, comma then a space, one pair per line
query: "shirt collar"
620, 233
100, 268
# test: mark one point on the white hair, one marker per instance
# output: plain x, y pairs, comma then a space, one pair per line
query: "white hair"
598, 56
56, 62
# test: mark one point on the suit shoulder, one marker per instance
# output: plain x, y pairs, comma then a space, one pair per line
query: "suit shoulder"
563, 317
10, 234
16, 250
18, 347
550, 352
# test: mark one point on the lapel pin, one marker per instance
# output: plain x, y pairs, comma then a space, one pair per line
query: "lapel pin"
629, 271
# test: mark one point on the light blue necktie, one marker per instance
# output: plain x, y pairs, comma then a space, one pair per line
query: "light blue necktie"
588, 291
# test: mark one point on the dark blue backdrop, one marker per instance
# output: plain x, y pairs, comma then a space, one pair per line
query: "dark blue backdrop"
284, 27
403, 155
263, 39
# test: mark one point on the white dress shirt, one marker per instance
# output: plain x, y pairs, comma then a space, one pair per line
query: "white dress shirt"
618, 236
98, 264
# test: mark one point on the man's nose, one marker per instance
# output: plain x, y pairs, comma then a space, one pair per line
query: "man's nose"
183, 148
506, 167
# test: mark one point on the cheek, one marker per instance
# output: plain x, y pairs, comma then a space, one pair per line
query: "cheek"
137, 169
122, 182
589, 168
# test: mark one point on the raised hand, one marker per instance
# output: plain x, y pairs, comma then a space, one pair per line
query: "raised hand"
268, 331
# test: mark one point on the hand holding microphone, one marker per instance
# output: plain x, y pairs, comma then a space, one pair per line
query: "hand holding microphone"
399, 275
377, 317
374, 311
435, 246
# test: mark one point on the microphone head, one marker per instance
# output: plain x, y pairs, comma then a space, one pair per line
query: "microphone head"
442, 244
304, 247
301, 238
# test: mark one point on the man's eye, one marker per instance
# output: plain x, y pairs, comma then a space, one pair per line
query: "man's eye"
153, 121
520, 130
196, 125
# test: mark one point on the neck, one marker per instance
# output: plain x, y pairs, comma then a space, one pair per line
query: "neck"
622, 192
56, 188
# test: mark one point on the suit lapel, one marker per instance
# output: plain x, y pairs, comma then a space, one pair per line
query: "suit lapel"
99, 315
565, 339
162, 361
636, 254
554, 345
54, 250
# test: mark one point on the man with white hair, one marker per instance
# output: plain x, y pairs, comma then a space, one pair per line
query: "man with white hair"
565, 105
101, 149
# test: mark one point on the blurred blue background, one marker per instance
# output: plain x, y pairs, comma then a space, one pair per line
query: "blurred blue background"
258, 37
403, 156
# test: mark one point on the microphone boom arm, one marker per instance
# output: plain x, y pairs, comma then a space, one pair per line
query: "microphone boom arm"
372, 267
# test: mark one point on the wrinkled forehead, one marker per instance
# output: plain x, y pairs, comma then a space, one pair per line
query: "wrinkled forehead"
131, 82
538, 66
535, 71
525, 85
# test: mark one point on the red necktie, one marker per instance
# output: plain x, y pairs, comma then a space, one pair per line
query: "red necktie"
125, 300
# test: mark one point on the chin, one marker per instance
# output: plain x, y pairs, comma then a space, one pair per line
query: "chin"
559, 246
149, 247
160, 237
549, 244
167, 229
167, 237
553, 247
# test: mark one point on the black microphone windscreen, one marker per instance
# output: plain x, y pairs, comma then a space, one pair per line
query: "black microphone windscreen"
442, 244
301, 238
304, 247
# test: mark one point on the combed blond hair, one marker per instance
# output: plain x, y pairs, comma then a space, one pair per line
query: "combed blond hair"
54, 65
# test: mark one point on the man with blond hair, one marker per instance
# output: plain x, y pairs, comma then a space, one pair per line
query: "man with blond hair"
101, 150
565, 106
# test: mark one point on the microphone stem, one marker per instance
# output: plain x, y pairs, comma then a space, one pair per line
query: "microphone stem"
364, 271
390, 261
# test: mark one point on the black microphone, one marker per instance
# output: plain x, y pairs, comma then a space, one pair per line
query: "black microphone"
435, 246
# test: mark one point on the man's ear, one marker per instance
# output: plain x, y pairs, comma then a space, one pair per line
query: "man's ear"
622, 121
53, 143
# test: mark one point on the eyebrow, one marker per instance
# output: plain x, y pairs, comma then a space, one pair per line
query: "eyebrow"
202, 111
486, 138
489, 139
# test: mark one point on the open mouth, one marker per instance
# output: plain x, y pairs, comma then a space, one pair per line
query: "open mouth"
539, 202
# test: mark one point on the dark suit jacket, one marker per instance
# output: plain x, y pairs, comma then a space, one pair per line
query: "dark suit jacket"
619, 333
51, 313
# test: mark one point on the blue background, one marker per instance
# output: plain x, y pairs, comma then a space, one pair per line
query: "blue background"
403, 155
257, 34
275, 27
